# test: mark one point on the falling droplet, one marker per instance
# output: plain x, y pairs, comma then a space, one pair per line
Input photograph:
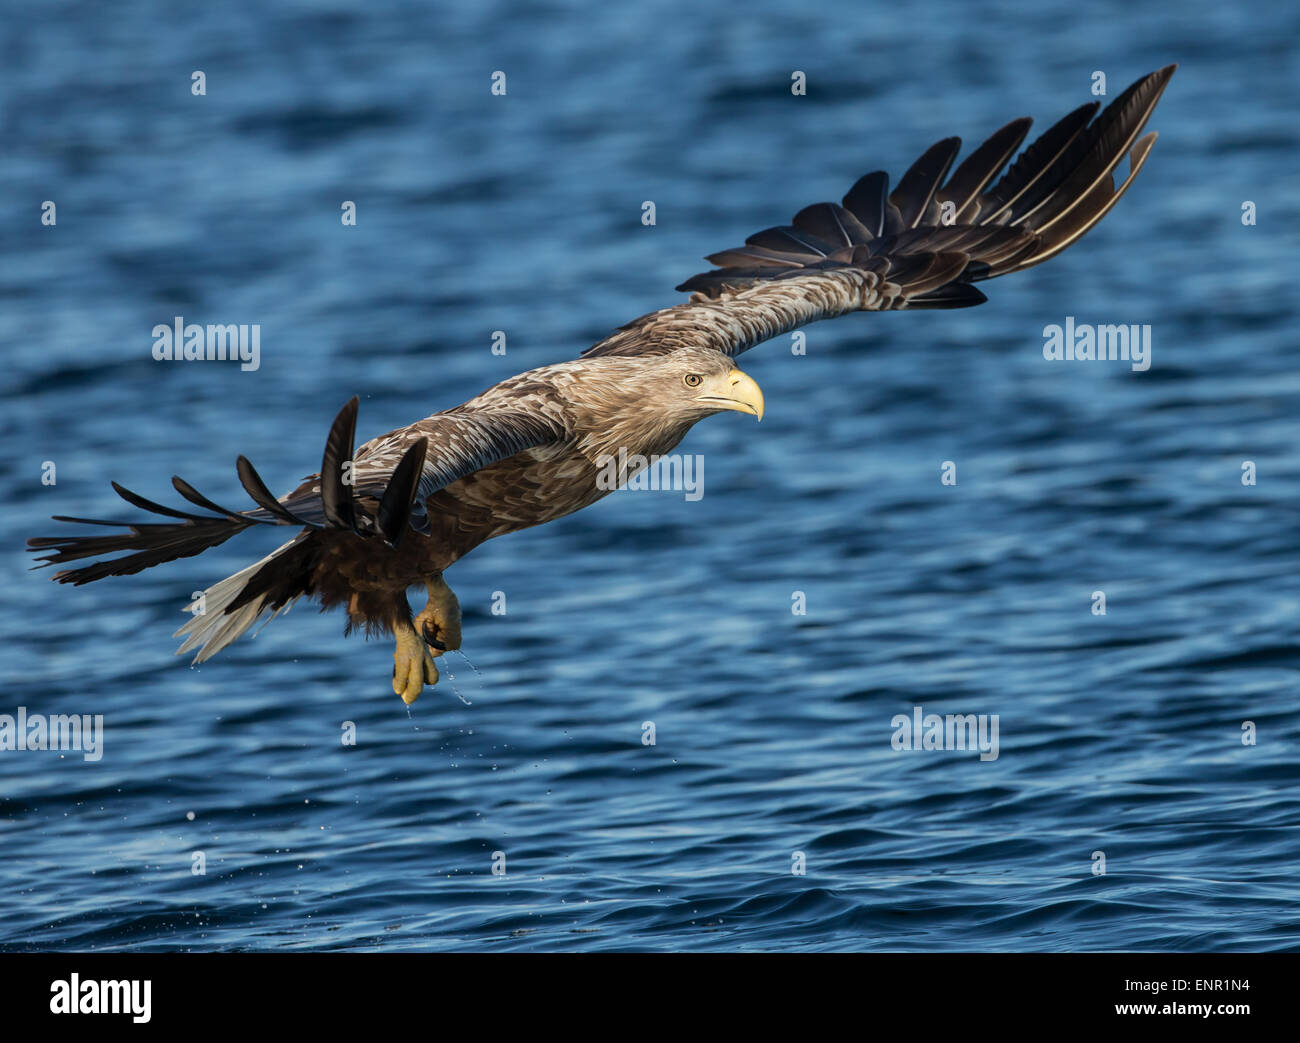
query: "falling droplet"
452, 678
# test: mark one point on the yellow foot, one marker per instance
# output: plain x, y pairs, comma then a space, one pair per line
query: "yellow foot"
413, 666
439, 623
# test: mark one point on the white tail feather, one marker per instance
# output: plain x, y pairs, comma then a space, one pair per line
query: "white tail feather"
214, 628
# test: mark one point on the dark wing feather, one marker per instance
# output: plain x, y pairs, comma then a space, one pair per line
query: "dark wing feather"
790, 242
395, 508
982, 166
1091, 209
256, 488
1108, 141
831, 224
198, 499
136, 500
885, 250
913, 194
1029, 169
392, 476
335, 494
867, 201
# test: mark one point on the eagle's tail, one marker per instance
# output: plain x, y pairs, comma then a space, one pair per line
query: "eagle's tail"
227, 609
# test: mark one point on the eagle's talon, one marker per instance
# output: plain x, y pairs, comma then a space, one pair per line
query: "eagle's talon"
413, 666
439, 623
429, 630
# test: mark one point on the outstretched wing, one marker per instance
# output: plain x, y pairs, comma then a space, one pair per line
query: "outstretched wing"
380, 492
923, 245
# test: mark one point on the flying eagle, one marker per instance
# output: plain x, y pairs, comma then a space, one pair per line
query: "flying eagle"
404, 507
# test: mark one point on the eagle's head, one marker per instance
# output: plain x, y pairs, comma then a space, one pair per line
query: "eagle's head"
647, 403
719, 385
691, 383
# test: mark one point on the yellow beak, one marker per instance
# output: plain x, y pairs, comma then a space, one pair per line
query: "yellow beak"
734, 390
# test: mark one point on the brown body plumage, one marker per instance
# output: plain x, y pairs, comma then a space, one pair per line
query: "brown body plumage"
406, 506
590, 416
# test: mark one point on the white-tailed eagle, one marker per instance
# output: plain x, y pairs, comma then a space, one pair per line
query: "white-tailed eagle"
398, 511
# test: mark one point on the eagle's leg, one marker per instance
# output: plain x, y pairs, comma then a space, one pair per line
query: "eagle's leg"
432, 632
413, 665
439, 623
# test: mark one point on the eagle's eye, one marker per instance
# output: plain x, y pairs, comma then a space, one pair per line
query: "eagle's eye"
693, 380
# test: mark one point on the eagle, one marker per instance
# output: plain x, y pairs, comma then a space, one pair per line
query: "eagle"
396, 513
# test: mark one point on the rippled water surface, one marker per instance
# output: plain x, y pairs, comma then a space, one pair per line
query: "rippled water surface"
1119, 734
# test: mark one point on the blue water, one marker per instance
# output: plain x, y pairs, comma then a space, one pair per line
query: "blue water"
1119, 734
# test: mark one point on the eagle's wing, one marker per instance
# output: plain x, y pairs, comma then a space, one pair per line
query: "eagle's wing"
378, 492
922, 245
459, 442
382, 487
